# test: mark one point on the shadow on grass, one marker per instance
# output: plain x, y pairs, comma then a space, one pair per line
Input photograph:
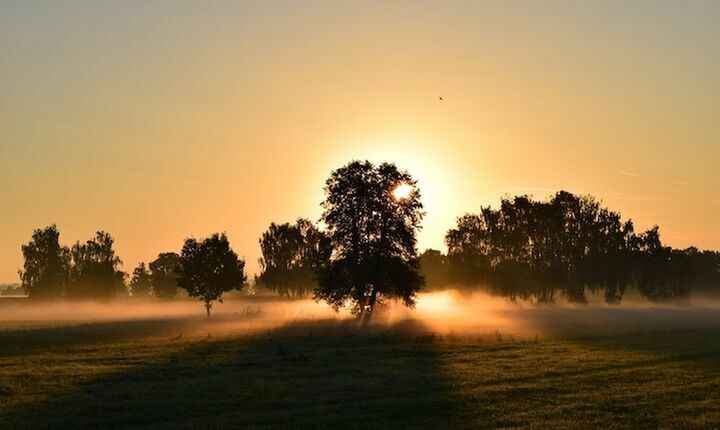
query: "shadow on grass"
665, 334
44, 339
305, 375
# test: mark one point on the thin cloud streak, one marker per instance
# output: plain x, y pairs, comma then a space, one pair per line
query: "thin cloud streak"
653, 178
638, 197
636, 175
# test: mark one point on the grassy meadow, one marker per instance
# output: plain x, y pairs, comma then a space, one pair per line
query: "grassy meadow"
268, 365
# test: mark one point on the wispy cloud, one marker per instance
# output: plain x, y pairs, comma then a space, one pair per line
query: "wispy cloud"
640, 198
637, 175
653, 178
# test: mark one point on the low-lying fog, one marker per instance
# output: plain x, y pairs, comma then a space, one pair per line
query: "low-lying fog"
442, 312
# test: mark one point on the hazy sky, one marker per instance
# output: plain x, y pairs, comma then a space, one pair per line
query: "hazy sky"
164, 119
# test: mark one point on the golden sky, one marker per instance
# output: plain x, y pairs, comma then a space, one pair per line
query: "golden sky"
157, 122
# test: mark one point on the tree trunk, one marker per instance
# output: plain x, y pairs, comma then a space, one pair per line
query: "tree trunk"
370, 307
208, 305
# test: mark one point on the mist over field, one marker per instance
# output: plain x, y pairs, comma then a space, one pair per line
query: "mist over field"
457, 359
445, 312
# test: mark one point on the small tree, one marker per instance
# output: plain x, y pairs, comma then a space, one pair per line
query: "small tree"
165, 271
210, 268
47, 264
141, 282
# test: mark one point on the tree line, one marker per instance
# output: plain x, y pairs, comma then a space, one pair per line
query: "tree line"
568, 245
366, 253
205, 268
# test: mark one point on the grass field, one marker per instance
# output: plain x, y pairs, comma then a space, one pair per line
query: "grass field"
550, 368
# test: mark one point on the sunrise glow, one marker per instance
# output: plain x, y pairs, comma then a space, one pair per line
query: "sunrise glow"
402, 191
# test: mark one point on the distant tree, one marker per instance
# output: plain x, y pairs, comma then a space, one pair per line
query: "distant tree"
141, 282
165, 270
469, 249
662, 273
210, 268
434, 268
372, 214
11, 290
95, 269
46, 270
704, 269
292, 255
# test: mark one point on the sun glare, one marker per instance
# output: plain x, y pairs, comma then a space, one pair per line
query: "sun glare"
402, 191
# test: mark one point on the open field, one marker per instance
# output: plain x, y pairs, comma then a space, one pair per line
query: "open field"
459, 362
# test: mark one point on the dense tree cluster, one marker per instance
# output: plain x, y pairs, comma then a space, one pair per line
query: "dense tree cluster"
95, 269
87, 270
569, 244
90, 270
46, 272
292, 255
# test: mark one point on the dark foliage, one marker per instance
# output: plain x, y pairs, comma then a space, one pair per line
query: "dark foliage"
141, 283
46, 271
95, 269
165, 271
210, 268
373, 237
569, 244
434, 269
292, 255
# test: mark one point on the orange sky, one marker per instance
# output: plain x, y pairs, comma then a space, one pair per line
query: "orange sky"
179, 118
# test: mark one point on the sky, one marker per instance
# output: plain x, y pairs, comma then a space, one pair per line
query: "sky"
156, 121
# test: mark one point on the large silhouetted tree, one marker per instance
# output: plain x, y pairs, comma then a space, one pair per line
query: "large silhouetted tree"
46, 269
372, 230
210, 268
95, 269
165, 271
292, 255
141, 282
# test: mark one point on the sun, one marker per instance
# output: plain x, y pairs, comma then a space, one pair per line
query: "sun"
402, 191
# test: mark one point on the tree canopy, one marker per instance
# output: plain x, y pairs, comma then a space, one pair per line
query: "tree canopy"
164, 274
141, 283
209, 268
46, 271
95, 269
372, 232
568, 244
292, 255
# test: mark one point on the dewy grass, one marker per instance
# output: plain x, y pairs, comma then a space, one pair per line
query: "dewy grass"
333, 373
